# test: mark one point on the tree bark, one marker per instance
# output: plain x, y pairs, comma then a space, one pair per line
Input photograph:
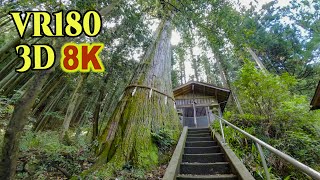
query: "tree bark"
72, 105
7, 78
226, 82
14, 84
96, 114
95, 121
194, 65
127, 136
47, 92
12, 44
5, 22
182, 69
15, 127
194, 62
221, 70
42, 119
9, 67
17, 123
258, 61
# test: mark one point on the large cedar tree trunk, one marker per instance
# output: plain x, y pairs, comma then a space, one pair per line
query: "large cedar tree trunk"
127, 136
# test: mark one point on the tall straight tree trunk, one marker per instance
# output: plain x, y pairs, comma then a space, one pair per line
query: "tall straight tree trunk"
7, 78
97, 110
42, 119
221, 70
10, 45
13, 84
72, 105
15, 127
109, 102
96, 114
257, 60
127, 136
5, 22
17, 123
26, 85
194, 62
226, 81
48, 89
236, 100
182, 71
9, 67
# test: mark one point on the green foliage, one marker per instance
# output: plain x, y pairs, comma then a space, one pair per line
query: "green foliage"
55, 115
131, 174
5, 109
16, 96
43, 152
272, 112
48, 142
163, 139
276, 116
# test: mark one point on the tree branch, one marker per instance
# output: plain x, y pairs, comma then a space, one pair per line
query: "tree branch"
64, 172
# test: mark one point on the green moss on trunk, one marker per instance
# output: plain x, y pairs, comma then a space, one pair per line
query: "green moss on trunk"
127, 139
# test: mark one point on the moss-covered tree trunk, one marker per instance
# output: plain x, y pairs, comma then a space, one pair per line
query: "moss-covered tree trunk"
127, 136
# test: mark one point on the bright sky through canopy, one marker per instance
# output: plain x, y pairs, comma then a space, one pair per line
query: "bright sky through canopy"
260, 3
176, 39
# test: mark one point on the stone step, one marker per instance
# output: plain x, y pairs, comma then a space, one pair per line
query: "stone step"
207, 177
205, 168
199, 131
199, 135
189, 139
201, 144
203, 158
201, 150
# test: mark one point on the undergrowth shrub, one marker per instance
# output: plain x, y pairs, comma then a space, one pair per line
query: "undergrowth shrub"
276, 116
164, 139
42, 154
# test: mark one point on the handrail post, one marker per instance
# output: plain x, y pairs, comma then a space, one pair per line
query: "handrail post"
221, 126
222, 132
264, 163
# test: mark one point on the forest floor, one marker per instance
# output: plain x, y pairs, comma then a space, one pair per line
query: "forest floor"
35, 165
43, 156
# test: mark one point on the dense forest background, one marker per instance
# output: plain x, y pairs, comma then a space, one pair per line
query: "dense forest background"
54, 124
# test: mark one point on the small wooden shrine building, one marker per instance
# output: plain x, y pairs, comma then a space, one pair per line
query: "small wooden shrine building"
315, 103
196, 102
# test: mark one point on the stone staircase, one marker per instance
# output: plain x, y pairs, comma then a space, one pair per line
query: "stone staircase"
203, 158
